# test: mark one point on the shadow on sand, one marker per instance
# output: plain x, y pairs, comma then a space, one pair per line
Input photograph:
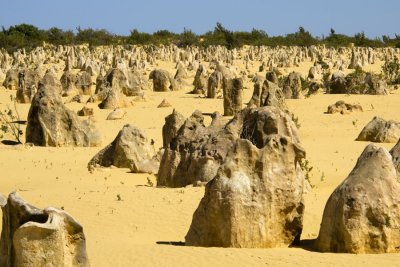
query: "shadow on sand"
10, 142
306, 244
171, 243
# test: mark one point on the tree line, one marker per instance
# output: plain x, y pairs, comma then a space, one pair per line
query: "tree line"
29, 36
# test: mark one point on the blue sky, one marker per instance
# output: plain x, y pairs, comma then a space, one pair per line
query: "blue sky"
276, 17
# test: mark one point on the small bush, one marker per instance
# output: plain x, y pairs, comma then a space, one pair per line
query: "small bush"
391, 71
10, 122
307, 168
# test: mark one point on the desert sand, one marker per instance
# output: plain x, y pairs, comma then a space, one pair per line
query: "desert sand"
130, 222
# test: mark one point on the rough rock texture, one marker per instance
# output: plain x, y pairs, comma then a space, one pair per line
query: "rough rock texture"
343, 108
116, 114
164, 104
173, 123
256, 197
130, 149
200, 81
162, 80
363, 213
267, 94
292, 86
395, 152
380, 131
197, 151
28, 82
68, 80
136, 84
11, 80
337, 84
114, 99
232, 91
85, 111
83, 83
35, 237
214, 85
50, 123
271, 76
357, 83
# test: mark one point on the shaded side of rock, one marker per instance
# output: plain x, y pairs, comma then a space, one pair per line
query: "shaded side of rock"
363, 213
130, 149
35, 237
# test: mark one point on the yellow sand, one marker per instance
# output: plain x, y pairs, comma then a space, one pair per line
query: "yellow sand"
137, 230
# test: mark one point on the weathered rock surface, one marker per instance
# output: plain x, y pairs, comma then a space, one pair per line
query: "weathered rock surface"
11, 80
200, 81
232, 91
343, 108
197, 151
380, 131
116, 114
395, 152
114, 99
363, 213
173, 123
35, 237
292, 87
267, 94
164, 104
83, 83
256, 198
130, 149
50, 123
85, 111
162, 80
28, 82
357, 83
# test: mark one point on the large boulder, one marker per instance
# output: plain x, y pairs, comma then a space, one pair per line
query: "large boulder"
36, 237
11, 80
256, 197
380, 131
267, 94
357, 82
216, 81
83, 83
162, 80
200, 81
51, 123
114, 99
232, 91
363, 213
136, 84
173, 123
130, 149
196, 152
214, 85
292, 88
68, 80
28, 82
343, 108
337, 84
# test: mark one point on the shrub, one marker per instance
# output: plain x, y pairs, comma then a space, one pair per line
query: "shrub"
10, 122
391, 71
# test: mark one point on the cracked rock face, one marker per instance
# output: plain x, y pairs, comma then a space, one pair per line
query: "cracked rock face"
196, 152
51, 123
36, 237
256, 198
380, 131
130, 149
363, 213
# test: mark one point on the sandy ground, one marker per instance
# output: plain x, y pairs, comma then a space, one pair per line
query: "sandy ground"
146, 227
